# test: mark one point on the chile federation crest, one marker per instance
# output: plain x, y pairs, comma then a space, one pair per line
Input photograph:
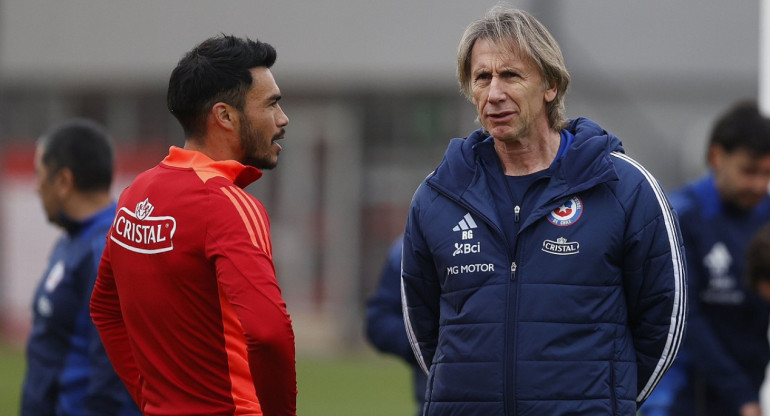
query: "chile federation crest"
567, 213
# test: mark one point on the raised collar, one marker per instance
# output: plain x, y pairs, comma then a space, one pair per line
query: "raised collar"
207, 168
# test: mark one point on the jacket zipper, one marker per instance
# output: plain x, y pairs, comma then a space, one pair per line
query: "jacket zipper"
512, 306
509, 383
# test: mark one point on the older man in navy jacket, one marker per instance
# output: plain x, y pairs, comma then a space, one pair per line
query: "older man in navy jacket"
543, 271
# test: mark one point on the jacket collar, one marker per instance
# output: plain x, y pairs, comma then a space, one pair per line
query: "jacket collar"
587, 163
74, 227
207, 168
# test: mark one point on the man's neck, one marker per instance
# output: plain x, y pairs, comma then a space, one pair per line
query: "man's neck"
216, 147
528, 155
83, 205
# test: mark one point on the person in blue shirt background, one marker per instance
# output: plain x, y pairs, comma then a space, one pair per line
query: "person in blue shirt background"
725, 349
385, 328
68, 372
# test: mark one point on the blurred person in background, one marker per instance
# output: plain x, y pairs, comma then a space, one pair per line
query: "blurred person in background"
726, 347
385, 321
186, 300
68, 372
758, 278
542, 267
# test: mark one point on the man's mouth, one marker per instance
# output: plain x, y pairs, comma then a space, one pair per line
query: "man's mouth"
500, 115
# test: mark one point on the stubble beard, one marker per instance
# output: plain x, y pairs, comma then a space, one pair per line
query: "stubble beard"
250, 146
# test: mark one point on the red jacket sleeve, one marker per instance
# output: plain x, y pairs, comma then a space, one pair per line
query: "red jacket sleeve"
106, 314
239, 242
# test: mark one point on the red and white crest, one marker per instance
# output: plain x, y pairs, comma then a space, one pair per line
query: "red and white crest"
567, 213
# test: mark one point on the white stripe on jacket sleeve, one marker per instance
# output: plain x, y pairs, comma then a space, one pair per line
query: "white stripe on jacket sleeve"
678, 312
408, 324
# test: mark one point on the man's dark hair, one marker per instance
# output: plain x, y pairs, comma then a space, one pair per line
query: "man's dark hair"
758, 257
216, 70
83, 147
742, 127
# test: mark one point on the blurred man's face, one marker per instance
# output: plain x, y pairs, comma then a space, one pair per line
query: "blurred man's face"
263, 121
741, 178
508, 92
47, 188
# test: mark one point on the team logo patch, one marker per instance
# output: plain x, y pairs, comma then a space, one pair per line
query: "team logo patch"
139, 232
568, 213
55, 276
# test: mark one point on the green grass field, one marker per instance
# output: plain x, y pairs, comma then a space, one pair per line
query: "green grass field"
361, 384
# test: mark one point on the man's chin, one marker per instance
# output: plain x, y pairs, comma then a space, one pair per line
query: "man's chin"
747, 203
262, 164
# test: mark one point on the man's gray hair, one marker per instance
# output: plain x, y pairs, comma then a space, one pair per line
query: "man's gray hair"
521, 33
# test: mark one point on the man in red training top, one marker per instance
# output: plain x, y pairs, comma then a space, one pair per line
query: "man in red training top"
186, 300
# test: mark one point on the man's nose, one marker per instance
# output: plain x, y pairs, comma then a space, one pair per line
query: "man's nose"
496, 92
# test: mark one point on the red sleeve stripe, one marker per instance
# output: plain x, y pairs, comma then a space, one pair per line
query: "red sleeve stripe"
241, 381
248, 202
265, 230
245, 220
262, 224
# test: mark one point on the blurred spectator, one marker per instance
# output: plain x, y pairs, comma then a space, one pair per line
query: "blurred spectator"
68, 372
385, 320
726, 343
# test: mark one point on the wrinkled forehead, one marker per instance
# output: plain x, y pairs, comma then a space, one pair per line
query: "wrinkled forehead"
506, 49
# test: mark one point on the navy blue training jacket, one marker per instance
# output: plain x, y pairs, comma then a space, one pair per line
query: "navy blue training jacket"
68, 372
580, 312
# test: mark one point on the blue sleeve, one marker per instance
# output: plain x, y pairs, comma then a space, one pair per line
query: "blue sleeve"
709, 358
106, 394
662, 398
39, 390
421, 291
655, 282
384, 317
46, 352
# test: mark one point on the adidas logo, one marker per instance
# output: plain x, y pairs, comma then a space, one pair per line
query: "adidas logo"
466, 225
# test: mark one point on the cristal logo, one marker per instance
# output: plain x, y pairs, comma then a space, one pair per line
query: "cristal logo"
139, 232
561, 247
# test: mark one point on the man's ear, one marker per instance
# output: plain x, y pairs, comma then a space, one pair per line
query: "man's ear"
550, 93
225, 116
715, 155
64, 183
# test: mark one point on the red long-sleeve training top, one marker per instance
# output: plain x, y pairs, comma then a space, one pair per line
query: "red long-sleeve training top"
186, 300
